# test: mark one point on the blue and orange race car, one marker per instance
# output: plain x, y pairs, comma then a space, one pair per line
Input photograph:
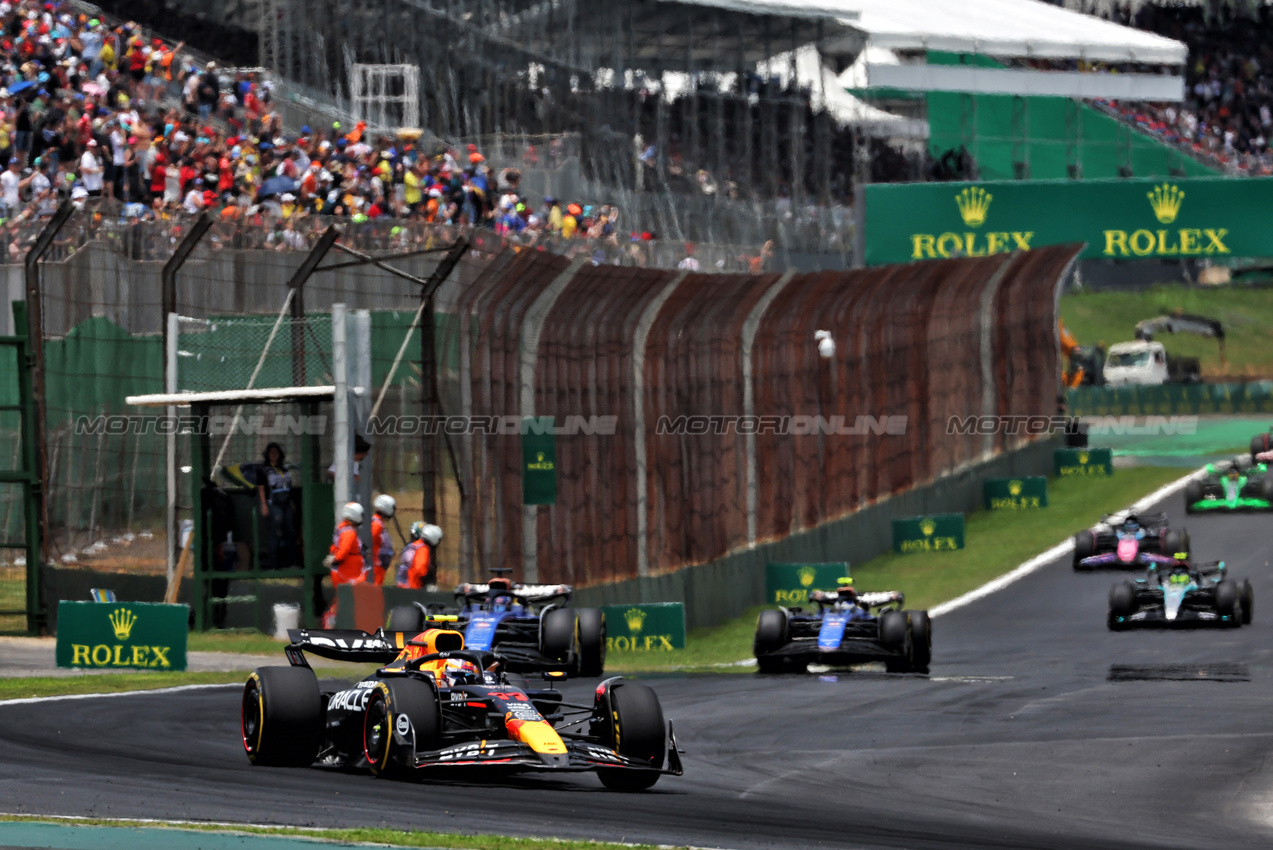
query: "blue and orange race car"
844, 630
434, 706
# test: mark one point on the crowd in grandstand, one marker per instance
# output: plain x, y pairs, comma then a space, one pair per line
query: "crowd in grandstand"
1227, 114
92, 110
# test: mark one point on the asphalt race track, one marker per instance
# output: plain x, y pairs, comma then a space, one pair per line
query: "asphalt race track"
1020, 738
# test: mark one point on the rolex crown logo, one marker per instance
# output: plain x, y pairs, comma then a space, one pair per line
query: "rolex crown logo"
122, 621
539, 457
635, 618
1014, 487
1166, 200
1083, 456
807, 575
973, 203
928, 526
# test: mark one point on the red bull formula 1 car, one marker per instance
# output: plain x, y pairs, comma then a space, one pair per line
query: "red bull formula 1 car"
1129, 540
844, 630
528, 625
435, 706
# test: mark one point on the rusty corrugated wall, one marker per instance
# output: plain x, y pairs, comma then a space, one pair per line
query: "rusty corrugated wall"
730, 427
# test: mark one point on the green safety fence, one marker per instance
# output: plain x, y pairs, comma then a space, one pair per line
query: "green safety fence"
1171, 399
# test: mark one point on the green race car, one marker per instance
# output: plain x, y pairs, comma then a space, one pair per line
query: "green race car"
1231, 486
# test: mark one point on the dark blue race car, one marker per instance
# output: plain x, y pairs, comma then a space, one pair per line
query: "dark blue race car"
843, 630
529, 626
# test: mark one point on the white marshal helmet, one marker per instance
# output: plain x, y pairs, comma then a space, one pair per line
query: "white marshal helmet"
384, 504
431, 535
352, 511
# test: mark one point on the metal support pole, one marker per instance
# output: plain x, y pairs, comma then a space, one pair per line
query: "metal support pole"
429, 381
342, 443
35, 335
297, 283
168, 278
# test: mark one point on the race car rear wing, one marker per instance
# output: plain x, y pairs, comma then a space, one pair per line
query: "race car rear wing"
346, 645
528, 593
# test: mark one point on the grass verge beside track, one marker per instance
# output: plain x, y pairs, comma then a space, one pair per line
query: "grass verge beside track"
108, 683
377, 837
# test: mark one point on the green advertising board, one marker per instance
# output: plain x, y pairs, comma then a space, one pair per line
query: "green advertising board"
122, 634
1015, 494
1169, 400
645, 627
1209, 217
933, 533
539, 467
1094, 463
789, 584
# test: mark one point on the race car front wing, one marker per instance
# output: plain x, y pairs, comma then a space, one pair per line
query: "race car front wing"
580, 755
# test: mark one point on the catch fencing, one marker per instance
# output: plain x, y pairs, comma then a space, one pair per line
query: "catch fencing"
538, 333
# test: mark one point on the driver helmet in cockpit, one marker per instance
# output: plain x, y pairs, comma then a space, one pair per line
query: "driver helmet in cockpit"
845, 593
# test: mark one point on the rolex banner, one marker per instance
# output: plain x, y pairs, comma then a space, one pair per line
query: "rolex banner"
1094, 463
1211, 217
647, 627
789, 584
934, 533
122, 634
1015, 494
539, 468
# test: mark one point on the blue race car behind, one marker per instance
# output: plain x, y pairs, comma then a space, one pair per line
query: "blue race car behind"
844, 630
529, 626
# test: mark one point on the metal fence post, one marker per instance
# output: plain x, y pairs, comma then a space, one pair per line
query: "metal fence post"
35, 333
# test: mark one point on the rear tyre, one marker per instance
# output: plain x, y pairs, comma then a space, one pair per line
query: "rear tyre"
1193, 495
1246, 598
559, 636
921, 639
635, 729
1227, 601
771, 636
895, 634
1259, 444
400, 720
1266, 489
1084, 547
592, 642
406, 618
1172, 541
282, 717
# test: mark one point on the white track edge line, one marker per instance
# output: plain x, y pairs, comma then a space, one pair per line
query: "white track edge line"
172, 690
1041, 560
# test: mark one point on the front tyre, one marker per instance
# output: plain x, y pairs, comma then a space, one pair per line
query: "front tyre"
401, 719
634, 729
1246, 597
592, 642
282, 717
1193, 495
771, 636
1084, 547
406, 618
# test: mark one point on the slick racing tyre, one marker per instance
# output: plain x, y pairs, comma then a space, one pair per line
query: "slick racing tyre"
921, 639
635, 729
1246, 598
592, 642
1259, 443
559, 636
771, 636
401, 719
1084, 547
282, 716
1266, 489
1173, 542
895, 634
406, 618
1122, 599
1227, 601
1193, 495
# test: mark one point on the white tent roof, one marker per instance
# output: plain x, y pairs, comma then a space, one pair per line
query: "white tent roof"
1007, 28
